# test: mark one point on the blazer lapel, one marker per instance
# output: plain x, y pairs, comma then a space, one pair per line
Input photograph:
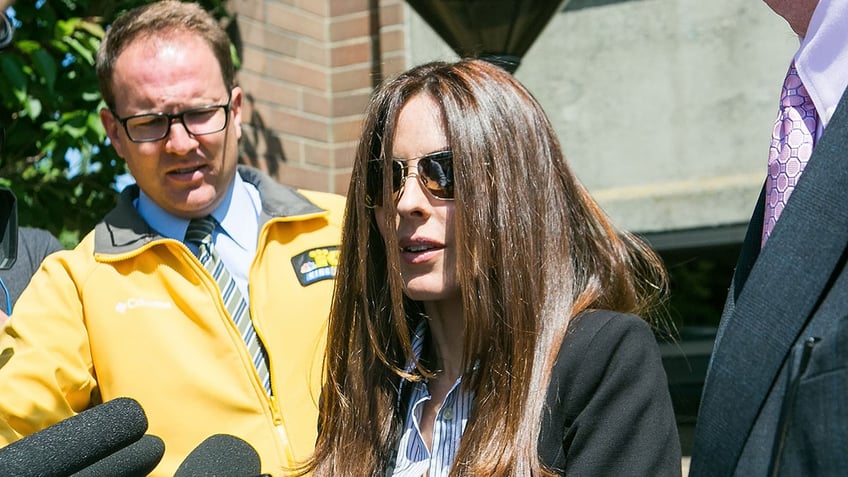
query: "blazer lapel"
780, 294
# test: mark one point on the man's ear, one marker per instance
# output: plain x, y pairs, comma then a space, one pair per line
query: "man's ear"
113, 130
235, 107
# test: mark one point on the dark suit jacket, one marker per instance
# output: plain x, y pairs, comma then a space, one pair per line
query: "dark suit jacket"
608, 410
775, 401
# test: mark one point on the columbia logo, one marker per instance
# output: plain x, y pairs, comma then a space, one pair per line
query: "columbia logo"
123, 306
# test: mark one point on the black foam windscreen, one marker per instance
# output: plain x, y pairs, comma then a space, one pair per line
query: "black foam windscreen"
77, 442
136, 460
221, 455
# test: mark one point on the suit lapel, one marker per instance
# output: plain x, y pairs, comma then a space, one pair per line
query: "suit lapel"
780, 294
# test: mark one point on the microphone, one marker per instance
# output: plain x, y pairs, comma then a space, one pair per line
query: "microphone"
7, 31
137, 460
221, 455
76, 442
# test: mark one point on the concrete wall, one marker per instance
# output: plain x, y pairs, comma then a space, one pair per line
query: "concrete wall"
664, 107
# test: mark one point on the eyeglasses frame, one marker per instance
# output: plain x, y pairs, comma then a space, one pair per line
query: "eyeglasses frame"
172, 117
406, 173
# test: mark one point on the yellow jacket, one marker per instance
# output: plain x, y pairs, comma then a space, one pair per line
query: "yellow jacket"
131, 313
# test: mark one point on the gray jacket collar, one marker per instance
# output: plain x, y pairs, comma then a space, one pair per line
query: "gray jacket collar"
123, 230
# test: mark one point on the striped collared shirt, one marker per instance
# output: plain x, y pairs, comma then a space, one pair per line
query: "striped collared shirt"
413, 458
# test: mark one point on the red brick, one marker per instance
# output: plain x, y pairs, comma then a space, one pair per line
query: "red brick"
293, 145
311, 51
303, 177
269, 90
319, 154
251, 32
344, 155
258, 141
346, 7
346, 129
296, 72
297, 21
293, 122
355, 52
341, 182
391, 39
393, 65
247, 9
351, 26
280, 42
391, 14
318, 7
352, 103
349, 79
317, 103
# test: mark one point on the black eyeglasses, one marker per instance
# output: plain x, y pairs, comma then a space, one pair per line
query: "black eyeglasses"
152, 127
435, 172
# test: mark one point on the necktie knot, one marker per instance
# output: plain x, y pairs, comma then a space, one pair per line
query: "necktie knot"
797, 108
200, 230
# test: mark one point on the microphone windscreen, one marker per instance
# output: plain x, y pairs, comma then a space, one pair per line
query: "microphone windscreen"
137, 460
221, 455
76, 442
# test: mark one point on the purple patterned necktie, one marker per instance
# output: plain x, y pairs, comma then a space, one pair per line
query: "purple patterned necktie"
791, 147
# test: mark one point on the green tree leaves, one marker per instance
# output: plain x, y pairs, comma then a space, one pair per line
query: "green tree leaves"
56, 156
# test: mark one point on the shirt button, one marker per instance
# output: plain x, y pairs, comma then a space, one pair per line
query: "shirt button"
447, 413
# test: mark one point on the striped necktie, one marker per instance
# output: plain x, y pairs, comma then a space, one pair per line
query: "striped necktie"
200, 233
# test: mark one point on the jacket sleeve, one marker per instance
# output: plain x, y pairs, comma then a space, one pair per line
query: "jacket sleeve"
45, 359
611, 409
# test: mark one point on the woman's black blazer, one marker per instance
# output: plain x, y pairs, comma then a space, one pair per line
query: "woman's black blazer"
608, 409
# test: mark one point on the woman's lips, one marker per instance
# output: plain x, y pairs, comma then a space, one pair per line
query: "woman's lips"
417, 251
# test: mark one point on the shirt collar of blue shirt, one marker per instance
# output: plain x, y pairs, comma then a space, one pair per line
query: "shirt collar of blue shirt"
229, 214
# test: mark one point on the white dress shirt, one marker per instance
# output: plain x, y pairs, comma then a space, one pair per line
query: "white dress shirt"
235, 237
822, 58
413, 458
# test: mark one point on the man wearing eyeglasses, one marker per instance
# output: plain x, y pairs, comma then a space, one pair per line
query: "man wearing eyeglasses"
204, 293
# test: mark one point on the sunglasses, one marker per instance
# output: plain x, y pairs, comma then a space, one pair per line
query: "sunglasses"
435, 172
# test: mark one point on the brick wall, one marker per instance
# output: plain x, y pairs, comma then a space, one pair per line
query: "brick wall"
308, 69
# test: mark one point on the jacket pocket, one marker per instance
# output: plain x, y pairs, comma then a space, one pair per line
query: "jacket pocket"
812, 432
799, 358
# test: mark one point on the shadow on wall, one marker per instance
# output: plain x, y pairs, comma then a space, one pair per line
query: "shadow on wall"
255, 134
257, 137
581, 4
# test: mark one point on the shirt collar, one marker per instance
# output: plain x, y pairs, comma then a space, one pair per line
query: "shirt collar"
230, 214
822, 58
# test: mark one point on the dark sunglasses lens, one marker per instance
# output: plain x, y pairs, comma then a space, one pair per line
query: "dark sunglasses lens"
438, 174
398, 173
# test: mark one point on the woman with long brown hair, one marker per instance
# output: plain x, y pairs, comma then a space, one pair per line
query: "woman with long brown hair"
483, 322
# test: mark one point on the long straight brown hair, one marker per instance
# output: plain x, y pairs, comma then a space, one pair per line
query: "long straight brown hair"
534, 251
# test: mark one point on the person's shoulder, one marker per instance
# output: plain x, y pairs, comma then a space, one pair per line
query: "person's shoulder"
326, 200
596, 338
41, 238
604, 348
334, 204
286, 200
605, 324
